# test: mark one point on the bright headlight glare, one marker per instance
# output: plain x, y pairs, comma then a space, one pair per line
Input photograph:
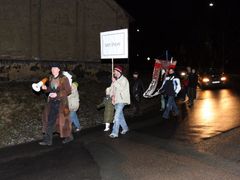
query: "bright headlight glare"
183, 73
206, 80
223, 78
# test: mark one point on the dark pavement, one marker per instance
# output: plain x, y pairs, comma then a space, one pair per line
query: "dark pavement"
93, 155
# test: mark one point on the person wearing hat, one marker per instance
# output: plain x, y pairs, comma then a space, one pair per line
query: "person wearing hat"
136, 90
120, 95
56, 111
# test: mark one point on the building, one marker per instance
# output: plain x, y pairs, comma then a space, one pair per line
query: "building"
34, 33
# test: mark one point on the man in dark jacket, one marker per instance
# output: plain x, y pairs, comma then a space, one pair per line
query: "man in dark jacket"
136, 89
192, 86
171, 87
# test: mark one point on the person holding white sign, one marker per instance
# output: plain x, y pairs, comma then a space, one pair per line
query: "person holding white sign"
120, 94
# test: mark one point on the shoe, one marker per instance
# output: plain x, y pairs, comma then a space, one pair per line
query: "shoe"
44, 143
113, 135
67, 140
106, 129
124, 131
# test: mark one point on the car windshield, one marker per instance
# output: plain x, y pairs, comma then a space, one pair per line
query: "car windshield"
213, 71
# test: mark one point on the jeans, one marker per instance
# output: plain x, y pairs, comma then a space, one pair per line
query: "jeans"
119, 119
74, 119
171, 105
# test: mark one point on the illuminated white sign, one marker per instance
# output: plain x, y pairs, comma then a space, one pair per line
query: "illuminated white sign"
114, 44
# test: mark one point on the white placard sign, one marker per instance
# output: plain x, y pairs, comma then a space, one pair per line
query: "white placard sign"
114, 44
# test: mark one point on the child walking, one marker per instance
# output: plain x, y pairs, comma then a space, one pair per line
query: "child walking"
73, 103
73, 100
108, 111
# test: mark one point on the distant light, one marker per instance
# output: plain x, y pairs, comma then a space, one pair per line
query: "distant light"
183, 73
148, 58
137, 55
206, 80
211, 4
223, 78
138, 30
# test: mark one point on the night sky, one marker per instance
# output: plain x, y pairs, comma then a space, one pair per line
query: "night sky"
193, 32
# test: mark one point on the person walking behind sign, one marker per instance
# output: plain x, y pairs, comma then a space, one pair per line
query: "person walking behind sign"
136, 90
120, 94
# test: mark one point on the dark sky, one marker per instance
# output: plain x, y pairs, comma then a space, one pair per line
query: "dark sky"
187, 28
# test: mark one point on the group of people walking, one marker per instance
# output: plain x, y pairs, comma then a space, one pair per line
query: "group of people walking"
63, 102
61, 108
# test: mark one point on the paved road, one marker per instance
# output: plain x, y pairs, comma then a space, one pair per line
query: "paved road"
215, 111
95, 156
154, 149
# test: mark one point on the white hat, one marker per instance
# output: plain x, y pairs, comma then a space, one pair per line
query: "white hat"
108, 90
68, 75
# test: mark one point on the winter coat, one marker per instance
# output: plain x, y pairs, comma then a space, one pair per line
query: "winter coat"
193, 80
108, 109
120, 90
176, 85
137, 89
73, 98
63, 122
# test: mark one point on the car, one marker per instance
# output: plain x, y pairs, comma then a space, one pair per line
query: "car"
212, 77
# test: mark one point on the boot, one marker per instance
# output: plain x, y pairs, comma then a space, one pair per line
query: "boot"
107, 125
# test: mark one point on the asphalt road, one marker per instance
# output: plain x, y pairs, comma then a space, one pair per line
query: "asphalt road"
196, 145
215, 111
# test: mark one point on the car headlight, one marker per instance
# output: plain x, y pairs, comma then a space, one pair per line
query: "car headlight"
183, 74
206, 80
223, 78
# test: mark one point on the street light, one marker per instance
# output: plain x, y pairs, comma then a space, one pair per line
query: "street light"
211, 4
